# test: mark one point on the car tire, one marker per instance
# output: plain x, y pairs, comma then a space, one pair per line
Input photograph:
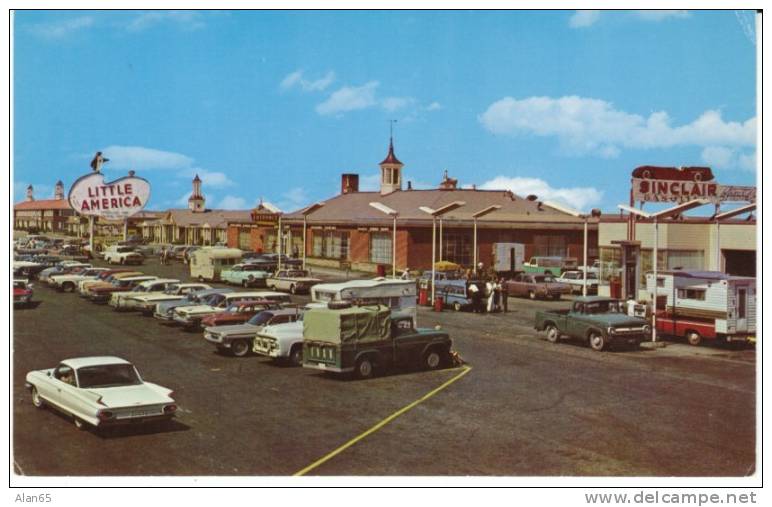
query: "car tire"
37, 401
244, 284
457, 306
68, 287
80, 424
433, 359
597, 341
553, 334
296, 355
364, 368
240, 348
531, 294
694, 338
200, 279
292, 289
123, 261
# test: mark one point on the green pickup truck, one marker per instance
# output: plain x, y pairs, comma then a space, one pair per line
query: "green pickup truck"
361, 339
600, 321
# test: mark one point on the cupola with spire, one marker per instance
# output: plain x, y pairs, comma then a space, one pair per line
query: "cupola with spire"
196, 201
391, 171
30, 196
59, 190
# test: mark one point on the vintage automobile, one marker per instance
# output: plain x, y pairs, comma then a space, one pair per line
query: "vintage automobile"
600, 321
99, 392
104, 280
189, 317
102, 293
294, 281
239, 339
246, 275
575, 280
164, 311
22, 292
455, 293
238, 313
549, 265
536, 286
68, 282
124, 300
362, 339
27, 269
146, 303
117, 254
281, 341
673, 173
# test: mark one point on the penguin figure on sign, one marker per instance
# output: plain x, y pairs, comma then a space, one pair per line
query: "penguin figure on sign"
98, 160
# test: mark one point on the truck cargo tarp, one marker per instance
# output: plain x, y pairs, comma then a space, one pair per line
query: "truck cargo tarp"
358, 323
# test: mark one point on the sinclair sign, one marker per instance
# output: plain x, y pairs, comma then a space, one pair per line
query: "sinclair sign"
90, 195
670, 184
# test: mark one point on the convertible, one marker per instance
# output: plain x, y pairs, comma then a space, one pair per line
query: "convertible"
99, 392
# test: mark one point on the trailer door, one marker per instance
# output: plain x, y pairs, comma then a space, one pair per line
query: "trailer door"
742, 309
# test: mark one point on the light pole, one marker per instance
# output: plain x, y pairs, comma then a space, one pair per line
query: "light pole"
725, 216
393, 214
669, 212
438, 213
305, 213
278, 262
595, 212
475, 216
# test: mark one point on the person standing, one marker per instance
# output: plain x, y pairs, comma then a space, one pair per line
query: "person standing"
489, 292
476, 297
504, 295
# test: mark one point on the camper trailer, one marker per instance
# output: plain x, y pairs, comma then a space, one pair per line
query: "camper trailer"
398, 295
704, 305
207, 263
508, 257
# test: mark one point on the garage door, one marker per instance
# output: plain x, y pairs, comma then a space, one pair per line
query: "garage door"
739, 262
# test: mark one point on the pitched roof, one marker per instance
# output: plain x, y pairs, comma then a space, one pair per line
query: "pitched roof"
215, 218
354, 208
43, 204
391, 158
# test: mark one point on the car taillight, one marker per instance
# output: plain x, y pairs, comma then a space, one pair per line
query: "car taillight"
170, 409
104, 415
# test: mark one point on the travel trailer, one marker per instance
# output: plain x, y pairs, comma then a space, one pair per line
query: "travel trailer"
207, 263
398, 295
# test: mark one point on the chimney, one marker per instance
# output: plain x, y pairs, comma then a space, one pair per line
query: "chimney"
410, 185
30, 197
349, 183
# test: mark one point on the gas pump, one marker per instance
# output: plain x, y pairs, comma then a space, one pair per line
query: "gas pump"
631, 268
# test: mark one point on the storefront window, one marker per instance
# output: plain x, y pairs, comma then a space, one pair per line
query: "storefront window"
457, 247
610, 262
549, 246
380, 247
330, 244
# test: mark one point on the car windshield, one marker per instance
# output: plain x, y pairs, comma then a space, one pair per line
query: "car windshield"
108, 375
543, 279
603, 307
260, 318
172, 289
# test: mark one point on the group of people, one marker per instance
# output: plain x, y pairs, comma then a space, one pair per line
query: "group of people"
166, 255
488, 296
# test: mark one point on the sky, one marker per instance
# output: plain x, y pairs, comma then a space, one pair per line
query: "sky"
276, 105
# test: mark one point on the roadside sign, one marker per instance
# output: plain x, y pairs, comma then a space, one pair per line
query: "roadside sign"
91, 196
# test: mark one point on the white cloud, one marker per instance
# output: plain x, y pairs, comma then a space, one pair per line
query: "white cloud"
294, 199
139, 158
660, 15
211, 179
349, 98
391, 104
727, 158
188, 20
585, 125
434, 106
296, 79
232, 202
580, 198
583, 19
61, 29
370, 183
182, 202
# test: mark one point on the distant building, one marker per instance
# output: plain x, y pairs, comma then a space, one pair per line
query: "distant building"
195, 225
347, 230
45, 215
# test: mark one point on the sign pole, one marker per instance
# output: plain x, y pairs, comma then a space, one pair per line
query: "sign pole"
91, 236
125, 229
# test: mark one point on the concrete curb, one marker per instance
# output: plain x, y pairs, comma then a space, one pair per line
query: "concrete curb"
653, 345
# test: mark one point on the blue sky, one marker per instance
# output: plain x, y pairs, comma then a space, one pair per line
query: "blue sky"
276, 105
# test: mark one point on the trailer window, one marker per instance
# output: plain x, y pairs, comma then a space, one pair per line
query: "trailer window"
697, 294
741, 299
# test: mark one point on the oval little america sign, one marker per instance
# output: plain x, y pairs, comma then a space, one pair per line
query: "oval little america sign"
118, 199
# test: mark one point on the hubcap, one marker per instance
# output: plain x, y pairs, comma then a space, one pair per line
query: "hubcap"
365, 368
433, 360
240, 348
597, 341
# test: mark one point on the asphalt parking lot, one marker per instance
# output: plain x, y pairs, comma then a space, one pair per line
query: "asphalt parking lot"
526, 407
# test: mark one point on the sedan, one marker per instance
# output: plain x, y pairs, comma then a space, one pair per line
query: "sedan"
99, 392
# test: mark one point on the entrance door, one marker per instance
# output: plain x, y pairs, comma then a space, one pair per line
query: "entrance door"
742, 309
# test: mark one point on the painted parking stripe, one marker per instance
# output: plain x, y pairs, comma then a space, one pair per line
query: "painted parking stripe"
381, 424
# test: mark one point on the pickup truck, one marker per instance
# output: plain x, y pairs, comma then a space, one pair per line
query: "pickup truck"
361, 339
117, 254
600, 321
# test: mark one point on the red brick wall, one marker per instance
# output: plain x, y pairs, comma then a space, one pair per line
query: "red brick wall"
233, 236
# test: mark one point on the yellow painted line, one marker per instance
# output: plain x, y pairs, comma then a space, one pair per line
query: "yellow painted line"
384, 422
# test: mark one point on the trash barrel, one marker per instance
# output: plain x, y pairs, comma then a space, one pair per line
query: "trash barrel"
423, 296
381, 270
438, 304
